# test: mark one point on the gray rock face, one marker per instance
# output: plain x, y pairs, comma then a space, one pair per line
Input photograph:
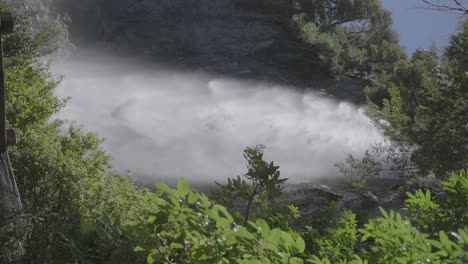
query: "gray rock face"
311, 198
191, 25
242, 38
13, 233
171, 28
9, 195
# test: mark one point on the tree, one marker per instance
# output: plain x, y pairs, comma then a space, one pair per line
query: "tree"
258, 193
57, 170
37, 32
332, 13
424, 105
78, 210
350, 37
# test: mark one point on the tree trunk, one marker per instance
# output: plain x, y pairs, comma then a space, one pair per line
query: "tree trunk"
13, 227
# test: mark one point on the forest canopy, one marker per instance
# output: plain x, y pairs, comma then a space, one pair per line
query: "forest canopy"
350, 38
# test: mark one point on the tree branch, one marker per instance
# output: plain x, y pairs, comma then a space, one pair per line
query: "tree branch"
456, 6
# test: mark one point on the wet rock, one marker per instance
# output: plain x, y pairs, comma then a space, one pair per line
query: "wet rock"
312, 197
309, 197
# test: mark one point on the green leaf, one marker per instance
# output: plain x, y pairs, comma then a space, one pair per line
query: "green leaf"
224, 212
158, 200
444, 238
150, 259
192, 197
275, 235
223, 223
138, 249
205, 201
300, 244
295, 260
176, 245
243, 232
383, 212
162, 186
263, 226
183, 187
151, 219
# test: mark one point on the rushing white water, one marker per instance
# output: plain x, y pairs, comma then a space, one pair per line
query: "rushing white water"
163, 124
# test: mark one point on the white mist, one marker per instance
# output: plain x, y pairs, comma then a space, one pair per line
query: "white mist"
163, 124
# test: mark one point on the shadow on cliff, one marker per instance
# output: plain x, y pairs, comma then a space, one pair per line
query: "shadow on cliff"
240, 39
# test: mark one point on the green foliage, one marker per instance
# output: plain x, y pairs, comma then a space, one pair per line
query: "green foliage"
338, 242
78, 210
107, 207
355, 260
422, 235
12, 235
47, 176
63, 174
36, 32
258, 193
335, 12
324, 219
421, 206
452, 251
396, 240
352, 38
52, 168
457, 51
424, 105
450, 213
64, 177
53, 173
426, 235
360, 173
456, 204
388, 158
30, 97
188, 228
327, 48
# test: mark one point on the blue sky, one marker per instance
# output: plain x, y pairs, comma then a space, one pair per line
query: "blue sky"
419, 27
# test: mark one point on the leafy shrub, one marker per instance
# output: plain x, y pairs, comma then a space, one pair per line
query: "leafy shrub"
338, 242
188, 228
257, 194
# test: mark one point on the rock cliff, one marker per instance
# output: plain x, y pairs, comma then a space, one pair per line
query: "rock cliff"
247, 39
